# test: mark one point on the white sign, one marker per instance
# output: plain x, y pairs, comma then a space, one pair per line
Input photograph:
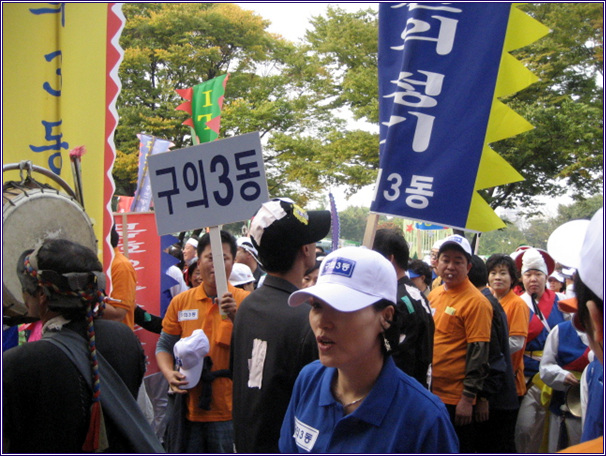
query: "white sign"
210, 184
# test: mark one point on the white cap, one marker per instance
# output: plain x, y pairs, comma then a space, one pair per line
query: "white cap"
246, 244
564, 244
557, 276
351, 279
241, 274
436, 245
189, 355
459, 240
193, 242
591, 268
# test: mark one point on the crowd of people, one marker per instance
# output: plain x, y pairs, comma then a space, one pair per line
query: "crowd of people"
359, 350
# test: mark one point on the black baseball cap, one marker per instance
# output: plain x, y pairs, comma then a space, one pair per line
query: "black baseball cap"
281, 220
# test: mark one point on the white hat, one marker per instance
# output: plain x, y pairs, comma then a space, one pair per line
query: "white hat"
534, 259
351, 279
557, 276
193, 242
246, 244
241, 274
189, 355
458, 240
436, 245
591, 268
564, 244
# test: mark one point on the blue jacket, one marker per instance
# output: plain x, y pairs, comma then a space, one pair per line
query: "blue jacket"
594, 418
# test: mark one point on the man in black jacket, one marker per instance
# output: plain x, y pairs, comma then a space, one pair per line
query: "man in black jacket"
415, 351
271, 341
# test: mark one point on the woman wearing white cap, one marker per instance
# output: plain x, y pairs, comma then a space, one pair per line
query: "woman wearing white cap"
354, 397
557, 282
535, 265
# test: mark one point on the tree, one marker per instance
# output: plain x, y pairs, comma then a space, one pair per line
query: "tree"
535, 231
292, 94
505, 240
584, 209
169, 46
275, 87
565, 150
353, 223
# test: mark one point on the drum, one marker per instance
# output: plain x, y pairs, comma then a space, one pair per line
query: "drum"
573, 400
31, 213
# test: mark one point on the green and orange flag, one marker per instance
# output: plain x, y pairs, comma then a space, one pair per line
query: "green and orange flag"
204, 104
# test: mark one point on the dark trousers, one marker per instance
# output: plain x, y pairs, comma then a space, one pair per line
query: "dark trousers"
497, 434
465, 433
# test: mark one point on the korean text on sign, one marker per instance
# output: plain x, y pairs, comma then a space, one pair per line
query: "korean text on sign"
209, 184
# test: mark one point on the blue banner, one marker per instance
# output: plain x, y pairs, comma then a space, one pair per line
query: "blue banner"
438, 66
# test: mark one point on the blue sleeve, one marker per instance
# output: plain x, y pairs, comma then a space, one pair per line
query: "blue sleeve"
442, 437
287, 443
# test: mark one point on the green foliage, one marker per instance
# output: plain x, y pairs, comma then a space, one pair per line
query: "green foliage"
584, 209
565, 150
169, 46
536, 230
286, 92
353, 223
294, 94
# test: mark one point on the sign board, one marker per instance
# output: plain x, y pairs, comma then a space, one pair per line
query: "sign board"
209, 184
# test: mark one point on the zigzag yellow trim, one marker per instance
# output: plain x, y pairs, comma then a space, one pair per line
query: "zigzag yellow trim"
503, 121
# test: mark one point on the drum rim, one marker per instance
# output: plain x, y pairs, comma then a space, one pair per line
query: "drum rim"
11, 300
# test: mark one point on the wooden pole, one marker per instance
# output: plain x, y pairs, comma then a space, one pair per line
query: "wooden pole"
371, 229
216, 247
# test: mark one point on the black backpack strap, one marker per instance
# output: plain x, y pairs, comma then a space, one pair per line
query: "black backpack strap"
116, 400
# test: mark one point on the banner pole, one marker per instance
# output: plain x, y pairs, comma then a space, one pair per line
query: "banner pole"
371, 229
216, 247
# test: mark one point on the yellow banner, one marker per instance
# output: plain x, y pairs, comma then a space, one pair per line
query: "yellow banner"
59, 88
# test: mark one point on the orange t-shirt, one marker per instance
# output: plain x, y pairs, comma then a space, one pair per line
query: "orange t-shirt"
124, 286
518, 316
462, 316
191, 310
592, 446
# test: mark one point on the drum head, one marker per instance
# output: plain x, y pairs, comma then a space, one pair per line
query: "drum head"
573, 400
30, 217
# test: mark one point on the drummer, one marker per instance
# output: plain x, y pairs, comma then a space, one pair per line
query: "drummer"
564, 357
535, 265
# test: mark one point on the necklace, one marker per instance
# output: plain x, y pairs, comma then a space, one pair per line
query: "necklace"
351, 403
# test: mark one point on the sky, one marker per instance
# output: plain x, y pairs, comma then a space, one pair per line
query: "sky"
292, 19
